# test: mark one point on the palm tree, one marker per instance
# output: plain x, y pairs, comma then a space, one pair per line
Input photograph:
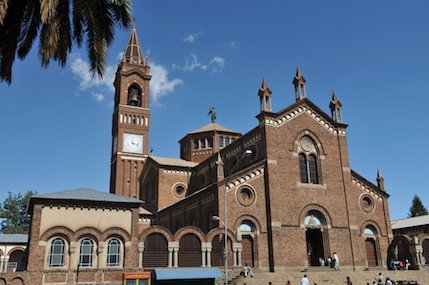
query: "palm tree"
59, 24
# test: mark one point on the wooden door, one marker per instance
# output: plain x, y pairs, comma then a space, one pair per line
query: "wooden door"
371, 253
247, 255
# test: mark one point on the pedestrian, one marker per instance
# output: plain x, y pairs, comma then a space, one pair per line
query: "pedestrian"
288, 283
304, 280
247, 270
336, 261
388, 281
379, 279
328, 261
349, 282
407, 264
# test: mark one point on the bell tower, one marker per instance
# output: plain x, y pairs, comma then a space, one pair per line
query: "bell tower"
131, 120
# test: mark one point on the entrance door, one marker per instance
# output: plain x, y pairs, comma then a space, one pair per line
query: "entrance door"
247, 255
371, 253
314, 246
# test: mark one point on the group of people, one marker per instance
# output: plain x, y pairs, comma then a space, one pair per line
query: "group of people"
399, 264
379, 280
332, 262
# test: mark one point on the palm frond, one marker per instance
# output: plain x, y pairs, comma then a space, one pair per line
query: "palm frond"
10, 32
3, 10
64, 45
30, 27
48, 42
48, 10
122, 11
78, 20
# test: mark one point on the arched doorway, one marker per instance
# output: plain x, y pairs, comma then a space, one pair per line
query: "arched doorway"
247, 233
316, 238
370, 235
155, 252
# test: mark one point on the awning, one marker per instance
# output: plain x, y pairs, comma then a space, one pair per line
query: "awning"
187, 273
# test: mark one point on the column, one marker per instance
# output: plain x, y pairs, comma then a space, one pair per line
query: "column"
209, 256
237, 247
170, 256
203, 256
234, 256
140, 255
173, 249
176, 257
239, 256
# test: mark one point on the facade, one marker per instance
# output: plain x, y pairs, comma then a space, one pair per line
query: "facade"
12, 252
292, 200
291, 196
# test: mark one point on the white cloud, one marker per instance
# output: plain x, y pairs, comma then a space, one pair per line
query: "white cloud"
191, 38
98, 96
100, 88
235, 44
193, 63
217, 64
87, 80
160, 85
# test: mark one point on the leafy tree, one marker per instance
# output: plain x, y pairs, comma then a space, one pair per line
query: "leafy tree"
59, 24
13, 213
417, 208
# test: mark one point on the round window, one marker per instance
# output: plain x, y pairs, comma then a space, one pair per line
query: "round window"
246, 196
367, 203
180, 191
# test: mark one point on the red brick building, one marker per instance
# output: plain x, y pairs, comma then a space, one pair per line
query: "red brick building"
292, 197
293, 200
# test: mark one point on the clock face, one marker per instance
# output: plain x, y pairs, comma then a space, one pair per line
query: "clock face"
133, 143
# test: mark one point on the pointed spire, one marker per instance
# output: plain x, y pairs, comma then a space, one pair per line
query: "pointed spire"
299, 83
380, 180
264, 94
336, 108
133, 53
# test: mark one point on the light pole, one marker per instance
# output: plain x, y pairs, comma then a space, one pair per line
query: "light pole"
225, 219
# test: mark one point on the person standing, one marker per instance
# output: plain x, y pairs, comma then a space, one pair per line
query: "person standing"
379, 279
304, 280
349, 282
247, 270
336, 261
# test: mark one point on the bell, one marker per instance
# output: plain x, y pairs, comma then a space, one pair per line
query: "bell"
134, 100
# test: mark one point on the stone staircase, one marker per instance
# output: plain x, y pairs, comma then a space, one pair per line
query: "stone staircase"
328, 277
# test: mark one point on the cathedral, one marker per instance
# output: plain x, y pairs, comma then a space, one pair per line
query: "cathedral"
285, 191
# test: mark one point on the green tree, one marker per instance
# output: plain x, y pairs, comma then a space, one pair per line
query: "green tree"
417, 208
13, 213
59, 24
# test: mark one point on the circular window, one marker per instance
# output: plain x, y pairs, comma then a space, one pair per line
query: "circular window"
180, 191
366, 203
246, 196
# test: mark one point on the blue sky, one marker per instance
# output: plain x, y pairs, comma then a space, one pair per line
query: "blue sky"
56, 123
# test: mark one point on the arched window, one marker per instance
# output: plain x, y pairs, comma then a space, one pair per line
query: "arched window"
56, 253
113, 252
308, 162
86, 253
312, 169
303, 168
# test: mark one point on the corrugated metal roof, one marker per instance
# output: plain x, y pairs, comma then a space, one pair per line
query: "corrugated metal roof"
173, 161
13, 238
187, 273
213, 127
87, 194
410, 222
